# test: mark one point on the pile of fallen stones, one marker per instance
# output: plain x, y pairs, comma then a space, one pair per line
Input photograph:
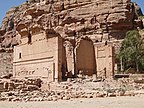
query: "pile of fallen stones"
31, 90
17, 84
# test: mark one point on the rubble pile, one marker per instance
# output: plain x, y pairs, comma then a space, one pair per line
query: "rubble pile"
8, 85
31, 89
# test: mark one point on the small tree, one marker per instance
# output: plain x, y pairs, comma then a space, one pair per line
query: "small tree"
131, 52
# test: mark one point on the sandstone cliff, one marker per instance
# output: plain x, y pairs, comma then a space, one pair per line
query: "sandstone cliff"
101, 20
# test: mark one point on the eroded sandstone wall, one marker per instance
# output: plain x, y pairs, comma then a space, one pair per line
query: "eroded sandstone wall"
105, 60
41, 57
6, 60
85, 57
100, 20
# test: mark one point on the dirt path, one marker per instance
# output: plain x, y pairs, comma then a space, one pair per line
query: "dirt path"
112, 102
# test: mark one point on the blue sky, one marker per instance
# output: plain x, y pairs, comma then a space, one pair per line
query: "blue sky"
140, 3
6, 4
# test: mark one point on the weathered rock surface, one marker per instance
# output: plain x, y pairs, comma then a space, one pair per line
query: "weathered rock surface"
6, 60
98, 19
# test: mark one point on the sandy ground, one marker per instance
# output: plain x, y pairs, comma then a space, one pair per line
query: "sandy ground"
111, 102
